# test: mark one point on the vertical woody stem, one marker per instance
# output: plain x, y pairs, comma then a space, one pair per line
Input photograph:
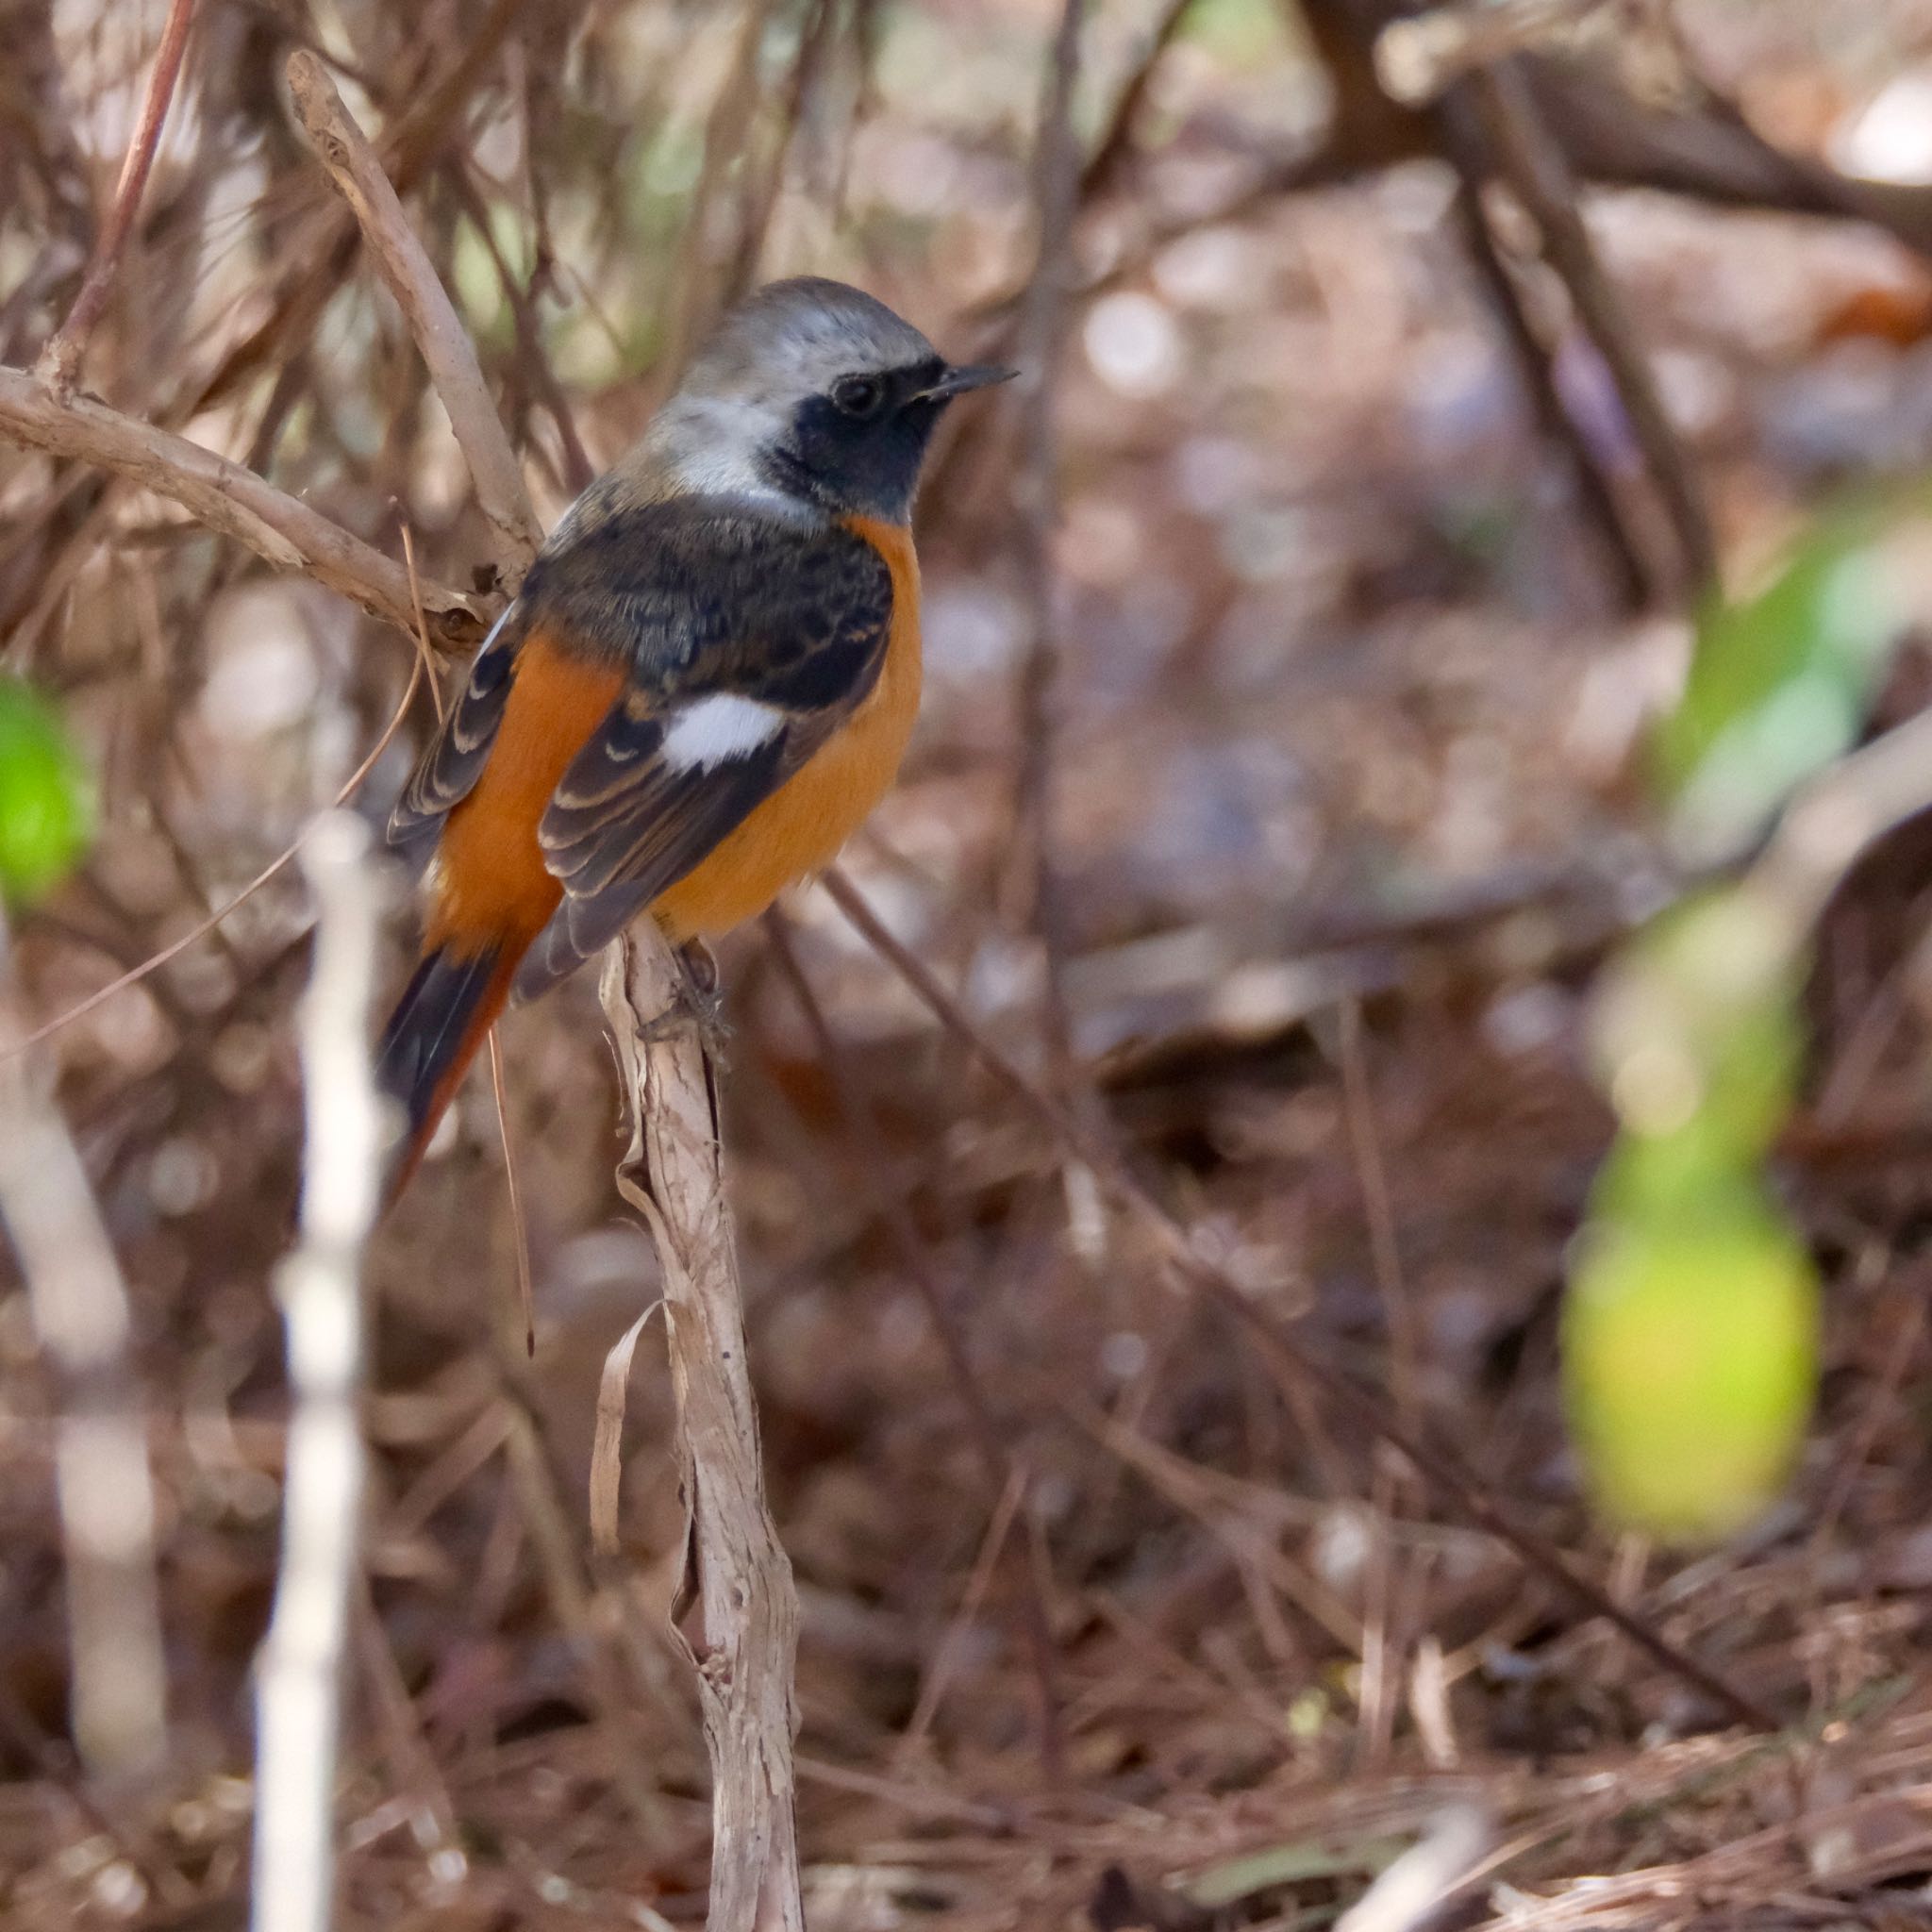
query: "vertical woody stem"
743, 1634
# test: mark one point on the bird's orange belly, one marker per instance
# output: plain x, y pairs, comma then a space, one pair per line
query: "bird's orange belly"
799, 829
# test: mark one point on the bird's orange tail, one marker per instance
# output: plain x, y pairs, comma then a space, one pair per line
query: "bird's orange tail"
443, 1018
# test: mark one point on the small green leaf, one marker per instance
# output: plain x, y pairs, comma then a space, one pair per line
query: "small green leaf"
46, 799
1780, 682
1691, 1357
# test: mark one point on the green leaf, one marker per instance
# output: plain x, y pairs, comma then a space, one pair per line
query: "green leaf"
1691, 1357
46, 799
1779, 683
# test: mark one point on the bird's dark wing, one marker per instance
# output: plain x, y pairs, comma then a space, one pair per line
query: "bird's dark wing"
452, 759
748, 642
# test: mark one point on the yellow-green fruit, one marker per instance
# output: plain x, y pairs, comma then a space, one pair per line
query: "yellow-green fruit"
1690, 1360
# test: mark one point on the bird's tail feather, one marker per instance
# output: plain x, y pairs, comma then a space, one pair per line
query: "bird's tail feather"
443, 1018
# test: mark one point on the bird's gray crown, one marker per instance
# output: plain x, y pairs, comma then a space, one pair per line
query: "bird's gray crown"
739, 401
795, 338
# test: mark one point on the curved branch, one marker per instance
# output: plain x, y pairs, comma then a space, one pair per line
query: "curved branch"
233, 501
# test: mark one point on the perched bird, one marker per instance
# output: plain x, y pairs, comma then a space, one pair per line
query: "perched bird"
705, 684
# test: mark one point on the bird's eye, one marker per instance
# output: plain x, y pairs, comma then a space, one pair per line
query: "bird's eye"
857, 395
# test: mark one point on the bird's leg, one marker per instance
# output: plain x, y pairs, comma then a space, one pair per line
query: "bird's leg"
699, 1002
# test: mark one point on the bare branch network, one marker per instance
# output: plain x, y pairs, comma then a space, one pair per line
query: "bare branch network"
674, 1175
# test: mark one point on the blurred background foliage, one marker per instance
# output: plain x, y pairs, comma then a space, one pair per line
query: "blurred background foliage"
1692, 1338
1399, 807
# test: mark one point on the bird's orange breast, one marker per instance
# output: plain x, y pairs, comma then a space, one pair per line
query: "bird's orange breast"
800, 828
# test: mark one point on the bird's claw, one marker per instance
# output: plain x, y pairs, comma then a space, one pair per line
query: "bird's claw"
698, 1005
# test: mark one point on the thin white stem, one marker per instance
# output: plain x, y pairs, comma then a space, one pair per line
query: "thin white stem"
102, 1478
299, 1685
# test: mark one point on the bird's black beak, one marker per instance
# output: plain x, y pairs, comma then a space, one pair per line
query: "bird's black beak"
962, 376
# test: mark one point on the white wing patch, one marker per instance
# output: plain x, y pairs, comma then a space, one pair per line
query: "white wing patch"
704, 735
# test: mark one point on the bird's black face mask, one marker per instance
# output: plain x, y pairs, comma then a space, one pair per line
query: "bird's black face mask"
857, 448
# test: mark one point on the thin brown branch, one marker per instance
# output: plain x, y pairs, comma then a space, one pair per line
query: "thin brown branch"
409, 276
425, 662
1533, 162
1708, 153
1378, 1205
618, 1693
1036, 502
762, 185
1440, 1467
1839, 816
233, 502
1631, 574
519, 1230
59, 361
746, 1625
937, 1675
1115, 141
413, 1765
694, 288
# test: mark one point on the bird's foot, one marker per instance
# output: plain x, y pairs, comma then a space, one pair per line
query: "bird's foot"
699, 1003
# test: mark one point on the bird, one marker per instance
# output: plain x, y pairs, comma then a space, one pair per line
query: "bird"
705, 683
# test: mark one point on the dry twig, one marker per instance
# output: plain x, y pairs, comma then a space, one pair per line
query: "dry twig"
1534, 165
520, 1229
1410, 1893
1036, 498
233, 501
59, 361
409, 277
1633, 579
1841, 815
579, 472
747, 1607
